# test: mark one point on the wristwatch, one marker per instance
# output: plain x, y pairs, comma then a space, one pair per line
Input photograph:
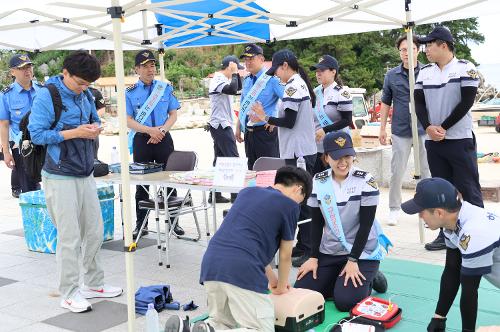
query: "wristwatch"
163, 130
352, 259
266, 118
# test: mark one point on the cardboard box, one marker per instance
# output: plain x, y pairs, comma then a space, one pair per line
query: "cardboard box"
491, 191
39, 231
370, 136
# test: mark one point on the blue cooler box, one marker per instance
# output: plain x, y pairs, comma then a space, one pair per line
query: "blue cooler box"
39, 231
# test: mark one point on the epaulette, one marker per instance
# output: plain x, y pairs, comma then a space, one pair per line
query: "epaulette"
463, 61
427, 65
322, 176
132, 87
6, 89
359, 174
338, 87
40, 85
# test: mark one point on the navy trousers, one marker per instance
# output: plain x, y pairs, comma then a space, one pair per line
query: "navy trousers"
224, 142
259, 142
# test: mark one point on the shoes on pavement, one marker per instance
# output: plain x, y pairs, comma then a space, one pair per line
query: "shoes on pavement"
137, 229
104, 291
76, 303
218, 198
392, 220
437, 244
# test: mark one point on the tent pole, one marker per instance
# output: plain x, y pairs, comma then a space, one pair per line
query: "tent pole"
414, 127
116, 14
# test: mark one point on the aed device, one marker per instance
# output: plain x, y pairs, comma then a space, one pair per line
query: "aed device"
378, 312
298, 310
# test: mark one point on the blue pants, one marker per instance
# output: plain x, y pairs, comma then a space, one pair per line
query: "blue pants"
224, 142
331, 285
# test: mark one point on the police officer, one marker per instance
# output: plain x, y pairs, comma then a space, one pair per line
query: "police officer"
225, 83
152, 141
346, 252
472, 247
444, 93
15, 102
333, 109
260, 139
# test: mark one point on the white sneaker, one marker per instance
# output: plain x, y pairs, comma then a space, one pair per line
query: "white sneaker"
103, 291
76, 303
393, 218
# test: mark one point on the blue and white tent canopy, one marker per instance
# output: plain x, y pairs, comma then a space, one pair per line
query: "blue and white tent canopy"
73, 24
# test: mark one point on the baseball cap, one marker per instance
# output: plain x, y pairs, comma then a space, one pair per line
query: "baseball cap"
338, 144
230, 58
19, 60
251, 50
440, 32
326, 62
279, 58
432, 193
144, 56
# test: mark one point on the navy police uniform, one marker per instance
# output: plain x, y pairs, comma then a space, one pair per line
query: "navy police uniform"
136, 95
15, 102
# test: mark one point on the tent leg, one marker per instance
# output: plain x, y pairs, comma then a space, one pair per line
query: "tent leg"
124, 161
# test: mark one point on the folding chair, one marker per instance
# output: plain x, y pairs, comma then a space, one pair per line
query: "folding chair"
268, 164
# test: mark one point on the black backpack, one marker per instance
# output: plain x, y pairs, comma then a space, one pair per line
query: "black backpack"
34, 155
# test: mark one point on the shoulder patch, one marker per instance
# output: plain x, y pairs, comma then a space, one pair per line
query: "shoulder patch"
346, 94
132, 87
338, 87
359, 174
6, 89
464, 241
427, 65
321, 176
473, 73
290, 91
372, 183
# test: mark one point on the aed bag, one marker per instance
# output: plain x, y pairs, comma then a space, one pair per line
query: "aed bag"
377, 311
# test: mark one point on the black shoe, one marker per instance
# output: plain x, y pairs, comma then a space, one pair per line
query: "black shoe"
437, 325
297, 252
379, 283
298, 261
177, 324
224, 213
16, 193
233, 197
136, 231
178, 231
218, 198
437, 244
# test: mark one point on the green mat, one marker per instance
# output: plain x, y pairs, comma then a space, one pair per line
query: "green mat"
415, 288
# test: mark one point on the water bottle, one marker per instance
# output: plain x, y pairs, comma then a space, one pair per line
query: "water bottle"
152, 322
115, 156
301, 163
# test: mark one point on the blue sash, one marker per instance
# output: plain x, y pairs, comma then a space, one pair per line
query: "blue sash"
326, 196
146, 108
319, 110
251, 97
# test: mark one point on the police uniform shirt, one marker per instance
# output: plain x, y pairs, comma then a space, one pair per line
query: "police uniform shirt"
220, 103
358, 189
477, 236
268, 97
442, 93
15, 103
138, 93
300, 140
336, 99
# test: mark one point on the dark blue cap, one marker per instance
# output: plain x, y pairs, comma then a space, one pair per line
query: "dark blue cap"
230, 58
326, 62
19, 60
440, 32
279, 58
251, 50
432, 193
144, 56
338, 144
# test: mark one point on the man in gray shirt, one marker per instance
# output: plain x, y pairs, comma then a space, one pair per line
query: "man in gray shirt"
396, 91
444, 93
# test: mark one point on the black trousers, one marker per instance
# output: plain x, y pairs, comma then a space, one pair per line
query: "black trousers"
319, 166
19, 179
259, 142
331, 285
224, 142
144, 152
456, 161
304, 233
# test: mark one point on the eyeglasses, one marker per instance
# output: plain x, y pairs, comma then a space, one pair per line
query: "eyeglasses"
405, 50
79, 81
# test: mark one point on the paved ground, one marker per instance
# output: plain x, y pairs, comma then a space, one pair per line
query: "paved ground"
28, 289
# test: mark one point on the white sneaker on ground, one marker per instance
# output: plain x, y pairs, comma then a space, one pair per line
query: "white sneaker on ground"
76, 303
393, 218
103, 291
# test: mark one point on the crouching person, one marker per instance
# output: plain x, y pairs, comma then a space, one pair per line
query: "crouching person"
70, 189
236, 268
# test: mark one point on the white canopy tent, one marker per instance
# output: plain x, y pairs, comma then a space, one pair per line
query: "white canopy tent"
89, 24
